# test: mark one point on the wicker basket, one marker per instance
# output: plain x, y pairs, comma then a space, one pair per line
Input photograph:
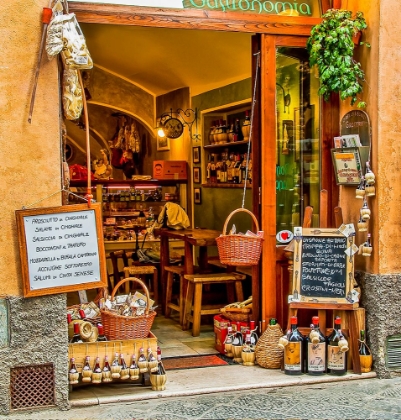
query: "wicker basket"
237, 314
119, 327
240, 250
268, 354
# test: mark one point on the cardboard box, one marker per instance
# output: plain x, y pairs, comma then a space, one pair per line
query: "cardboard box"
170, 169
220, 331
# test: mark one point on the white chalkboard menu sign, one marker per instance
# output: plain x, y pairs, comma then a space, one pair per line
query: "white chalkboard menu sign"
61, 249
323, 265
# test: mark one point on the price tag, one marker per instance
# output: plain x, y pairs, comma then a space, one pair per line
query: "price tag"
83, 297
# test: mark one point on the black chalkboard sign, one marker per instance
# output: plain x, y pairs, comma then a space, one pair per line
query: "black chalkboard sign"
323, 266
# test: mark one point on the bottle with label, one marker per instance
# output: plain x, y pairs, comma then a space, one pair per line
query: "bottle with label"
336, 350
238, 136
293, 351
106, 372
101, 336
73, 374
87, 371
316, 350
76, 338
97, 372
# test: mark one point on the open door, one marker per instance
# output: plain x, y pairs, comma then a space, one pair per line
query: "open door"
293, 159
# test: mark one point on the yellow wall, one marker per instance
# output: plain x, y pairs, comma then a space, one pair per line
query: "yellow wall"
30, 153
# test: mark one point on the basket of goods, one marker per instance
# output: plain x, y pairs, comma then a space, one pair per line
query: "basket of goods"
129, 316
267, 352
238, 311
240, 249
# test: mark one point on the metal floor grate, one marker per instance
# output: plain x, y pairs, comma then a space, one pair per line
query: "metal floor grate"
32, 386
393, 354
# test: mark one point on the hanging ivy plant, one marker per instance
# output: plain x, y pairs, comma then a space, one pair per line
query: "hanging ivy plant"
331, 49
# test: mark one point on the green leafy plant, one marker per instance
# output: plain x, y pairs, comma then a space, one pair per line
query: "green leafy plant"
331, 48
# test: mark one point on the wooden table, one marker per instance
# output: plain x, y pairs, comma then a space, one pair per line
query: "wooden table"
202, 238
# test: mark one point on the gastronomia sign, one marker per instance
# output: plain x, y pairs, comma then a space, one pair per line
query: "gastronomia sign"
302, 8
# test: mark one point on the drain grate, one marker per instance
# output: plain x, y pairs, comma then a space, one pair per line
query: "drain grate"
393, 354
32, 386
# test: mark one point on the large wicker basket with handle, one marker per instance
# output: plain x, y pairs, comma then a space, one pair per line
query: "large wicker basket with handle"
267, 352
236, 249
119, 327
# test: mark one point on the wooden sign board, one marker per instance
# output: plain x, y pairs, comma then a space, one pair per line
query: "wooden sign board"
61, 249
323, 266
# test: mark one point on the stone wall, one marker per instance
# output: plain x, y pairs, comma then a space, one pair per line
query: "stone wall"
380, 298
38, 335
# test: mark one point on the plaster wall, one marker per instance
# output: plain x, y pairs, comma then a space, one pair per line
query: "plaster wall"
29, 176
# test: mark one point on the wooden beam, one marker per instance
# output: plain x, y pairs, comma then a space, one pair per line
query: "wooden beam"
192, 19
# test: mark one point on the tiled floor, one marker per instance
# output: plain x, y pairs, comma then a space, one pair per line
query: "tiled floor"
173, 341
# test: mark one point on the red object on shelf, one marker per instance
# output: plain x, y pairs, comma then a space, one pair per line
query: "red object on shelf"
79, 172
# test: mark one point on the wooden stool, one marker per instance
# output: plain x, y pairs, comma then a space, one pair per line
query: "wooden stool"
179, 271
143, 270
193, 304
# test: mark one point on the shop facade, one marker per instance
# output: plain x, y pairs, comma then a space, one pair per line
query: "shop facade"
34, 332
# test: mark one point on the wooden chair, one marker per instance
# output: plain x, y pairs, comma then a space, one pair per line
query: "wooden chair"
194, 309
142, 271
174, 271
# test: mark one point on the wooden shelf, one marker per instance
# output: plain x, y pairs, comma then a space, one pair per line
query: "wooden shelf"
220, 145
226, 185
128, 182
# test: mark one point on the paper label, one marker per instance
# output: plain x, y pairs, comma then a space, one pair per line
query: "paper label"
335, 358
292, 356
316, 357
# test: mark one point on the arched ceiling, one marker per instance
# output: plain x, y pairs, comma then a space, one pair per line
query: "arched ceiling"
162, 60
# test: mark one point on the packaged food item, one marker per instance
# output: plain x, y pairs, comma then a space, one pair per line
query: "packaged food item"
72, 95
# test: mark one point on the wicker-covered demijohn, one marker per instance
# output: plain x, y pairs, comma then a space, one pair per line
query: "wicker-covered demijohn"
240, 250
268, 354
119, 327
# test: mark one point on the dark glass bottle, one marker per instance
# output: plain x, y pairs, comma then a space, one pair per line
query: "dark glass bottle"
293, 351
363, 348
106, 373
238, 136
87, 371
101, 336
160, 368
97, 372
73, 375
336, 358
76, 338
238, 338
316, 350
254, 335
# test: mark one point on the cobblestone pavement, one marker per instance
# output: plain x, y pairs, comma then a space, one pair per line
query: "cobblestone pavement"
358, 399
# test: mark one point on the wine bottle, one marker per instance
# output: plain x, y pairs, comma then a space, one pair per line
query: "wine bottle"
254, 335
363, 348
76, 338
82, 314
115, 367
293, 351
73, 374
238, 338
134, 369
248, 350
106, 372
87, 371
228, 342
69, 318
336, 356
124, 373
97, 372
101, 336
152, 361
142, 361
316, 350
158, 378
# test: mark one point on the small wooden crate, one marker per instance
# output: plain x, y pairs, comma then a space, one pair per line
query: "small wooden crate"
109, 348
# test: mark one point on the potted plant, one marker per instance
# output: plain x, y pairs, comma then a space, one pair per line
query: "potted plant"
331, 48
